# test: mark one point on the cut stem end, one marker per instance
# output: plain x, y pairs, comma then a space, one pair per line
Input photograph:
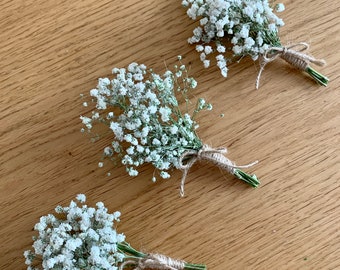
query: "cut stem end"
192, 266
249, 179
318, 77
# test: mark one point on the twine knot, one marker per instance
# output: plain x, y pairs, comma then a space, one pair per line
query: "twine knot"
155, 261
213, 155
291, 54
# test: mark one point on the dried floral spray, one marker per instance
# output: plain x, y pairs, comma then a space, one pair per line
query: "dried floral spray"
84, 238
140, 108
238, 28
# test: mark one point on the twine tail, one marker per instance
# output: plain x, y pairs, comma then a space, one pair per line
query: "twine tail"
184, 176
191, 157
263, 63
127, 263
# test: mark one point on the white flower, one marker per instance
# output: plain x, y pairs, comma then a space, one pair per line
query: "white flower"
280, 7
165, 113
152, 109
81, 198
155, 141
73, 244
206, 63
198, 31
248, 43
249, 11
164, 175
108, 151
173, 129
208, 49
193, 83
224, 71
140, 148
244, 33
237, 49
94, 93
199, 48
132, 172
272, 27
95, 115
110, 115
130, 150
51, 262
221, 49
86, 121
117, 130
145, 131
103, 82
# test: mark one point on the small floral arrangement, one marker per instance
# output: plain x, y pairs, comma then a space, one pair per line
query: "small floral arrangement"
140, 108
239, 28
84, 238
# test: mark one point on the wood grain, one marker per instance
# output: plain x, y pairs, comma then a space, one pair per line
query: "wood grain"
52, 51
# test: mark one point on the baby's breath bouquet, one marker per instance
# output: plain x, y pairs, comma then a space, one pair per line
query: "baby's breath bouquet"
84, 238
234, 29
141, 110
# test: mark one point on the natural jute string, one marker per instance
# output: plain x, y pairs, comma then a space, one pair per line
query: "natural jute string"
290, 54
155, 261
213, 155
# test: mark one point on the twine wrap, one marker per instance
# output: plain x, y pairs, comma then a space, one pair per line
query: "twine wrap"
291, 54
155, 261
213, 155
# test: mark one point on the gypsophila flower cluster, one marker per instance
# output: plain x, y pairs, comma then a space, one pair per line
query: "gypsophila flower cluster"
233, 29
141, 110
84, 238
77, 237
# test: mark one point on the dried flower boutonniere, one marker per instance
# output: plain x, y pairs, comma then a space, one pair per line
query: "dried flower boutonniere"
84, 238
141, 110
238, 28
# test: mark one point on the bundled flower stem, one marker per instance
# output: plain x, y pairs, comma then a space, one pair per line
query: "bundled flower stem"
140, 108
84, 238
142, 260
242, 28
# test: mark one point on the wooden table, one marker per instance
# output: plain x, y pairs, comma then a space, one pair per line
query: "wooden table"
52, 51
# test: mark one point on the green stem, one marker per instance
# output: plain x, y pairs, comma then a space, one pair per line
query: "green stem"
192, 266
249, 179
318, 77
126, 248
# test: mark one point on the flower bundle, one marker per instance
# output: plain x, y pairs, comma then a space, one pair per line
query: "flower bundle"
140, 108
239, 28
84, 238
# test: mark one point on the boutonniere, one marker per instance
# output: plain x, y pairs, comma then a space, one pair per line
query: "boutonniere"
83, 237
141, 110
234, 29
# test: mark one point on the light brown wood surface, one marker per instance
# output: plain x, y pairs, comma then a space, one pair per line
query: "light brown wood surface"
52, 51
